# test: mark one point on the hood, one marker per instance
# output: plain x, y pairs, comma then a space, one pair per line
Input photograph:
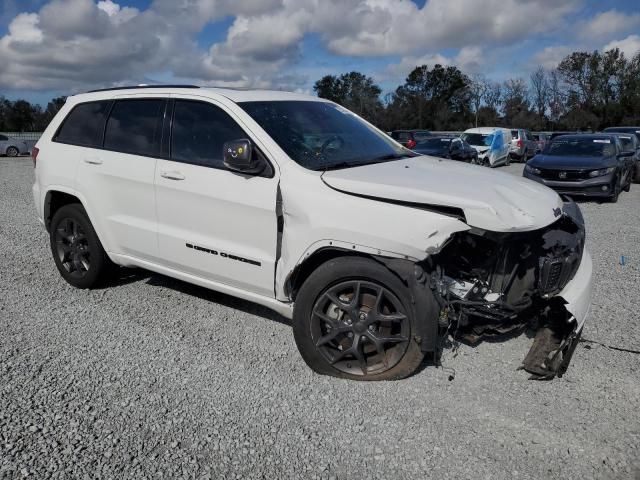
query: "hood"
490, 200
571, 163
438, 152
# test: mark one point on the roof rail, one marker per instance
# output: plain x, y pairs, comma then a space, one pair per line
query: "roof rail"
142, 86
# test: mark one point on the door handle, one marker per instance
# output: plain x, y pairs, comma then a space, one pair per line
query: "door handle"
93, 161
172, 175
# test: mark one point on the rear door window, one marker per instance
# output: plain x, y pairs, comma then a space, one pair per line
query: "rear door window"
199, 132
135, 126
84, 125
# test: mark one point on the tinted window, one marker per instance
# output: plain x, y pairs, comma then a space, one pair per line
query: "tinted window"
581, 147
134, 126
478, 139
435, 143
84, 124
3, 138
628, 145
199, 132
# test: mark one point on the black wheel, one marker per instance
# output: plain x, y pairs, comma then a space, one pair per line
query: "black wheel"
616, 191
12, 152
486, 162
353, 319
627, 186
636, 173
507, 162
76, 249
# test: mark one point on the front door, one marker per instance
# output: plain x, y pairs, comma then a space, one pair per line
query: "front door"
212, 222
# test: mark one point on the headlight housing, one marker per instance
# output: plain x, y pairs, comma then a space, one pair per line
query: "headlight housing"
532, 170
601, 172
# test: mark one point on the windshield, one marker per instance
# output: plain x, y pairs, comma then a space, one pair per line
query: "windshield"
583, 147
320, 135
478, 139
434, 143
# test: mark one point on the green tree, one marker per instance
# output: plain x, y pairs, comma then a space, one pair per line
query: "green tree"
354, 91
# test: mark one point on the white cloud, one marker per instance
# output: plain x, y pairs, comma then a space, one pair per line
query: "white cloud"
550, 57
73, 44
630, 46
609, 23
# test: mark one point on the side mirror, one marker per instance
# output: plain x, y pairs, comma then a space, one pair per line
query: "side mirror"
238, 157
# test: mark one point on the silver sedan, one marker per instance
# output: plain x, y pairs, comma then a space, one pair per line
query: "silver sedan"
12, 147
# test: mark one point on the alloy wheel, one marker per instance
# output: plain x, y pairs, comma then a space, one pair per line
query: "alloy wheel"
72, 247
360, 327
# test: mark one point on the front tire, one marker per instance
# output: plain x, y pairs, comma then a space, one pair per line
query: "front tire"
12, 152
76, 249
353, 319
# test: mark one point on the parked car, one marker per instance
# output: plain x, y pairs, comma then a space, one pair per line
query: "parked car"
523, 145
634, 130
12, 147
541, 140
553, 135
586, 165
371, 249
492, 144
447, 147
410, 138
631, 143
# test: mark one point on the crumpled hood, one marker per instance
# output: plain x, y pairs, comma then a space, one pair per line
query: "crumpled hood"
490, 199
480, 149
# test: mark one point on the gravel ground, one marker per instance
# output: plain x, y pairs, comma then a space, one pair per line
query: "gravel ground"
157, 378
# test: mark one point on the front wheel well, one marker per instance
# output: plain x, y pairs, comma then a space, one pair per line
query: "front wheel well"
53, 202
302, 271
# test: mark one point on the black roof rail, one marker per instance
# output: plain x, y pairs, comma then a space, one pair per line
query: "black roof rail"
141, 86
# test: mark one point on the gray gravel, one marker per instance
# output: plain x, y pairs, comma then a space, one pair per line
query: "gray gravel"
156, 378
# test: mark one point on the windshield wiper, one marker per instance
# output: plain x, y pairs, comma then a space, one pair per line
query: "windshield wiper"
380, 159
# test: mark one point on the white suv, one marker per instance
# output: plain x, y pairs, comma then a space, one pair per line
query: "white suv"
295, 203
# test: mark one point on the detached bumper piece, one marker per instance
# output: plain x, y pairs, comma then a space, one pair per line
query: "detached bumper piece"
553, 345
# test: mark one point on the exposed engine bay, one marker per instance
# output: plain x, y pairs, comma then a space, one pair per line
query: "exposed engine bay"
491, 284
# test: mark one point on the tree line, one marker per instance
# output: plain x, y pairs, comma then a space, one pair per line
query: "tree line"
586, 91
22, 116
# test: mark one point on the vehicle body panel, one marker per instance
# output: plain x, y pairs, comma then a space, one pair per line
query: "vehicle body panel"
490, 200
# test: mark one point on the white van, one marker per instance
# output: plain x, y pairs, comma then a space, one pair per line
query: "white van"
492, 143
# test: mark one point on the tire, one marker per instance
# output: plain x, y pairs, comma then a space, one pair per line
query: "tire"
636, 173
372, 338
507, 161
486, 162
627, 187
76, 249
616, 191
12, 152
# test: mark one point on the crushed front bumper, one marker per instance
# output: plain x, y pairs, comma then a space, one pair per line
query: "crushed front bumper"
557, 339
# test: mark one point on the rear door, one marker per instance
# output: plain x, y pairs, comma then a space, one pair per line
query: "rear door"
117, 180
214, 223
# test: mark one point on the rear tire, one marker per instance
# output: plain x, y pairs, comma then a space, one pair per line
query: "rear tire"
353, 319
76, 249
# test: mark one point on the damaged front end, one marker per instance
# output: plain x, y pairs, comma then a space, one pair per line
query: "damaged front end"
490, 284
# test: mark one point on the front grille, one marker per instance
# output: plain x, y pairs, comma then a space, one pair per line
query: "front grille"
555, 272
564, 175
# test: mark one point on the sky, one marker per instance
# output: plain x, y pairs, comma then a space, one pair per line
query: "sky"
61, 47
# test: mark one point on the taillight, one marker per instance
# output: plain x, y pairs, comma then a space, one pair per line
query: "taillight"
34, 155
520, 143
411, 143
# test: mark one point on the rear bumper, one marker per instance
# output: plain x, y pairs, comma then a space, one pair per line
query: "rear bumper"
592, 187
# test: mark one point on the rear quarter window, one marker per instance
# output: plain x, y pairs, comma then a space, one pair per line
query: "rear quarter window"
84, 124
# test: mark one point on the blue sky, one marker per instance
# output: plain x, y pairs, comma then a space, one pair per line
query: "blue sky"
60, 47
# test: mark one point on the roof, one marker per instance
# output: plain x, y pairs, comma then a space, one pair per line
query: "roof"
485, 130
235, 95
586, 136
